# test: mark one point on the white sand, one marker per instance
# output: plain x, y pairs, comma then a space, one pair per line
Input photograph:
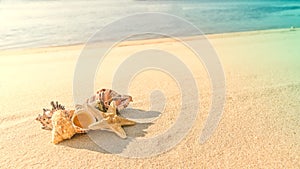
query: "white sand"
260, 127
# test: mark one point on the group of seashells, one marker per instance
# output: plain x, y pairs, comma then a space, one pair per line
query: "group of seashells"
99, 112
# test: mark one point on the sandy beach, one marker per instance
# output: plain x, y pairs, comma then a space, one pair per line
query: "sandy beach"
260, 126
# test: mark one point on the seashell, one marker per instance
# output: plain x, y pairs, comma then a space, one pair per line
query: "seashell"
110, 120
99, 112
88, 117
45, 117
81, 120
103, 98
68, 123
62, 126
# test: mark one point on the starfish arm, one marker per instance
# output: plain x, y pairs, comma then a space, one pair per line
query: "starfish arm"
109, 120
100, 125
118, 130
125, 122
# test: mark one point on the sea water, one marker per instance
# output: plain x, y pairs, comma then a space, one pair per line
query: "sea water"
39, 23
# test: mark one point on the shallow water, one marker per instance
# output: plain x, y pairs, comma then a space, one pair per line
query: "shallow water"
37, 23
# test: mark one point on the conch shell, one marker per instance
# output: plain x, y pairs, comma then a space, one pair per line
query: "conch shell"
82, 119
62, 126
68, 123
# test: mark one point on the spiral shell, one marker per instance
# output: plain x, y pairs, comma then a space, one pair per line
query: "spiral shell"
81, 119
62, 126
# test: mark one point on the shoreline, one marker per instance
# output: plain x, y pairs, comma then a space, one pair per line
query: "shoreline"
148, 41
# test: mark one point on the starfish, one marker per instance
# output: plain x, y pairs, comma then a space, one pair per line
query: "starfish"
109, 120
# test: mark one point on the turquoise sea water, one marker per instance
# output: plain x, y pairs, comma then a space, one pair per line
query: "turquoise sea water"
37, 23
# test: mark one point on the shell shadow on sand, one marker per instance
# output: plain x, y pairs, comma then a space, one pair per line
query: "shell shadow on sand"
97, 139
